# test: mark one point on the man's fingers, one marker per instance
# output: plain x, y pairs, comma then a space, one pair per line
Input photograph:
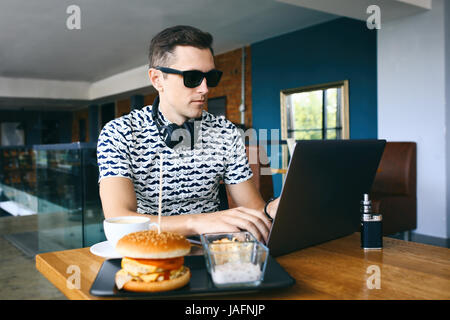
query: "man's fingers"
217, 223
256, 213
245, 224
248, 222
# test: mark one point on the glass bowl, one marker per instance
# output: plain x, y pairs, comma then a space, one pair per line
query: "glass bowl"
234, 259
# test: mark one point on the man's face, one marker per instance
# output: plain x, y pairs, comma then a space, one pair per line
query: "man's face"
178, 102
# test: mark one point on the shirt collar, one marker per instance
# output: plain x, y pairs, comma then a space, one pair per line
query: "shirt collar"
163, 121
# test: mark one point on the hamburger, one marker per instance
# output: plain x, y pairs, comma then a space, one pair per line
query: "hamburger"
152, 261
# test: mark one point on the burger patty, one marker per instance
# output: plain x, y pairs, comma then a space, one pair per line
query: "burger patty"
136, 268
124, 275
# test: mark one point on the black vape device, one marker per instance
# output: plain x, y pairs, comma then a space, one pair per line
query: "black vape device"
371, 226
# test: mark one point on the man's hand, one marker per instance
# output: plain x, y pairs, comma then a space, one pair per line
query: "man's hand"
234, 220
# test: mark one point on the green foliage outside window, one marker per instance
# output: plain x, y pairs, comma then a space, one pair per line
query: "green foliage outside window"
307, 114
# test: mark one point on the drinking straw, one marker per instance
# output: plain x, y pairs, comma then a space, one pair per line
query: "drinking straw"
160, 191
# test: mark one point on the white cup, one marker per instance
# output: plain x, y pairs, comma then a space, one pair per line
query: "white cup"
117, 227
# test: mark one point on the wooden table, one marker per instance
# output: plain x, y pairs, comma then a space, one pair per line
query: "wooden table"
338, 269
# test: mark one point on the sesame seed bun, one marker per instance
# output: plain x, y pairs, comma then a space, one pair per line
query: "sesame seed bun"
151, 245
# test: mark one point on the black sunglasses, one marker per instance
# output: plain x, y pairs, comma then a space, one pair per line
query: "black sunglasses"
193, 78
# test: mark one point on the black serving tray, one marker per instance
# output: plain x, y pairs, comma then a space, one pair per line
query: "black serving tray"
200, 284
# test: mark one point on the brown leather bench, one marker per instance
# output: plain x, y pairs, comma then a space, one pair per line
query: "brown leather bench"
393, 191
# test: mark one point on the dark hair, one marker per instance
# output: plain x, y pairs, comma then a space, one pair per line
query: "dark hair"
164, 43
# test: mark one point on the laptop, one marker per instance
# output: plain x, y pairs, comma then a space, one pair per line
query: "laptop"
324, 185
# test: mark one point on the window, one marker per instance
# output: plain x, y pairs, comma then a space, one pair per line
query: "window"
218, 106
318, 112
107, 112
82, 130
314, 113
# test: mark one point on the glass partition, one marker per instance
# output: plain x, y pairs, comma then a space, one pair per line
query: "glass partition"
68, 204
91, 206
18, 180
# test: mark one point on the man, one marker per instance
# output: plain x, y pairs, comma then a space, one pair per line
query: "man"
130, 149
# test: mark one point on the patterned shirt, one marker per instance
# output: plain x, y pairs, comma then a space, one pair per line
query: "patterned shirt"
130, 147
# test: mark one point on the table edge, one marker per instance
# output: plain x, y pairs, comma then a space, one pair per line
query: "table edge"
58, 280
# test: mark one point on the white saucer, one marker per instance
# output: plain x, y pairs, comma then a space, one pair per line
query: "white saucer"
104, 249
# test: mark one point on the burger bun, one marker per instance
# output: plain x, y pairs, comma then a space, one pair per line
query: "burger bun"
159, 286
150, 244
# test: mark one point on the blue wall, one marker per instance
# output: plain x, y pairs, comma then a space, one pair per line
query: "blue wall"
342, 49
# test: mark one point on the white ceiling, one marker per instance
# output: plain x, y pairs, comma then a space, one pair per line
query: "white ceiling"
44, 64
114, 36
357, 9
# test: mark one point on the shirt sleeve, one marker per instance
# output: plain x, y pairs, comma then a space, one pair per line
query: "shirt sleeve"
237, 168
113, 157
